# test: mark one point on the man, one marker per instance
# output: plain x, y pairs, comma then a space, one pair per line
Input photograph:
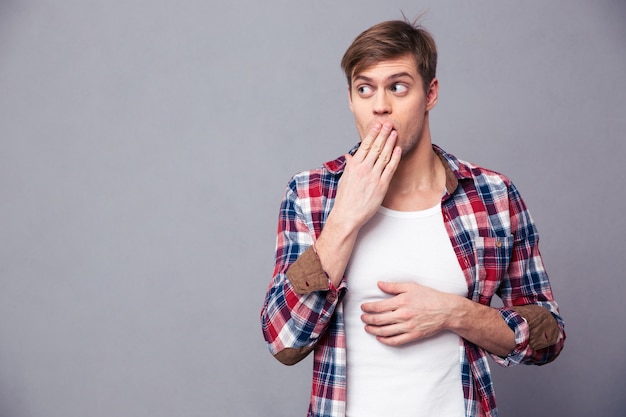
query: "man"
388, 257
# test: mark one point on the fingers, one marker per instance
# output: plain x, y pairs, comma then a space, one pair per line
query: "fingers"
394, 288
389, 304
393, 328
368, 140
396, 340
385, 156
377, 147
377, 307
391, 332
385, 135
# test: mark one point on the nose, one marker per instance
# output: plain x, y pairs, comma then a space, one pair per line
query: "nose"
382, 104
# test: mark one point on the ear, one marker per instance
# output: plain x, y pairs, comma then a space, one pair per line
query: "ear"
433, 94
350, 99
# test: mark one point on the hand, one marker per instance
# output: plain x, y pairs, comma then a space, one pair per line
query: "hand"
413, 313
366, 177
360, 193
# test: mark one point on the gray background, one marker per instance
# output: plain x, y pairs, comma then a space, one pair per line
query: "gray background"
145, 146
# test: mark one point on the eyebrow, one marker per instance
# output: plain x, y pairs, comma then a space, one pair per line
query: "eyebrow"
390, 78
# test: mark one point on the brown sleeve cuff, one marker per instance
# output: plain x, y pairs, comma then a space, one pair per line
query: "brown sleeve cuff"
291, 356
544, 329
306, 273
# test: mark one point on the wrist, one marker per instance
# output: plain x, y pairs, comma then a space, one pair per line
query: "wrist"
341, 227
333, 248
459, 312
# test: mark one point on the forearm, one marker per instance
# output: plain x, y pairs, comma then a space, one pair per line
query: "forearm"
483, 326
539, 333
322, 266
334, 247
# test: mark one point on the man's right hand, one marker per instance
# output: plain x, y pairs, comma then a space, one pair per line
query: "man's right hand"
360, 193
366, 177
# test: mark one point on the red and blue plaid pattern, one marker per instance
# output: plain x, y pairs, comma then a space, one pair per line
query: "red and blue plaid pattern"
495, 241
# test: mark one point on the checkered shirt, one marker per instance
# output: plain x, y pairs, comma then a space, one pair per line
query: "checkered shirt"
495, 241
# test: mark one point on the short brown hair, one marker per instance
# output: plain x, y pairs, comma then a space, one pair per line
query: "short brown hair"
390, 40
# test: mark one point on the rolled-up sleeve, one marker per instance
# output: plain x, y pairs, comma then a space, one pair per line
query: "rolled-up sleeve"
529, 306
300, 300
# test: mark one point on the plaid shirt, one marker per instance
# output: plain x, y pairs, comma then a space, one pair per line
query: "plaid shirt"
495, 241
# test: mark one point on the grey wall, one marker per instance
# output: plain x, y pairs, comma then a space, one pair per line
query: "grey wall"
145, 146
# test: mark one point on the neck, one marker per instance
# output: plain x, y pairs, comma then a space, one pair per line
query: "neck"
419, 180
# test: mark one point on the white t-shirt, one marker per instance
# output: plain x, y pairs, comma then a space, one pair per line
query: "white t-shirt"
422, 379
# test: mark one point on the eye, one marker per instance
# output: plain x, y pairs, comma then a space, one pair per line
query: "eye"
399, 88
365, 90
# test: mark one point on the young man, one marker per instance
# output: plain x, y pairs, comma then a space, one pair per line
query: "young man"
388, 257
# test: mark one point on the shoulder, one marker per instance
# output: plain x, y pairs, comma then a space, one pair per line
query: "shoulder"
482, 189
318, 181
484, 179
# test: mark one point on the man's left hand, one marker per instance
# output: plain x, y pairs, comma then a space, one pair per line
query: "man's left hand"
413, 312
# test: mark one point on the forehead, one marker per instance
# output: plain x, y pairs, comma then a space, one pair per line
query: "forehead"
383, 69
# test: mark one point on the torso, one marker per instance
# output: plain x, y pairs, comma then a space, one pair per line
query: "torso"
413, 380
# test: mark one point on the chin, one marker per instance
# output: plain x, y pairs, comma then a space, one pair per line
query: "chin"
407, 148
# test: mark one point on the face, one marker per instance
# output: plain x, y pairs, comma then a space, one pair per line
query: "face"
393, 91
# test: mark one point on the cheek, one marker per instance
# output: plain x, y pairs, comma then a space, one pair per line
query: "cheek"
360, 117
409, 130
363, 124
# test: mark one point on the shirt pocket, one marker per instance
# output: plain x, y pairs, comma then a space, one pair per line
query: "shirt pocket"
492, 261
